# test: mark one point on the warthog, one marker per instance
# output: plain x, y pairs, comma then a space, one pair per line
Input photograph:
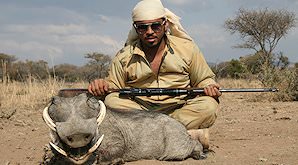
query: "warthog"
84, 131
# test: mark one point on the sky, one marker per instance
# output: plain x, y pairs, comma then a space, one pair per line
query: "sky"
64, 31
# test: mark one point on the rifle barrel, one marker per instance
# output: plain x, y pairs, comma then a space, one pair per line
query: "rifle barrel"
248, 90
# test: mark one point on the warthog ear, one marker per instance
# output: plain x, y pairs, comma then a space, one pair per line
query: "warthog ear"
56, 100
92, 102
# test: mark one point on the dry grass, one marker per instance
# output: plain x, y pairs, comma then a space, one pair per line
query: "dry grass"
240, 83
32, 93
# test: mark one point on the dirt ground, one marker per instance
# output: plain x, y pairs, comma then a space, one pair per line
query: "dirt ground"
246, 132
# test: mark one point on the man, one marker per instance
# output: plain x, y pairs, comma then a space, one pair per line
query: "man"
160, 54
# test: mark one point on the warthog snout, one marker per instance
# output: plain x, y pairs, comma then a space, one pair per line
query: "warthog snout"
77, 134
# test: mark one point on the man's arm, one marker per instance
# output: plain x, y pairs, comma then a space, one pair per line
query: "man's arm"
202, 76
115, 80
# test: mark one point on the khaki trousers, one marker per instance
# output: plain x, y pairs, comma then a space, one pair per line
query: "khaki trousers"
194, 113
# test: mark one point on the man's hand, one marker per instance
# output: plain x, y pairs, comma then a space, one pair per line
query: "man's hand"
212, 90
98, 87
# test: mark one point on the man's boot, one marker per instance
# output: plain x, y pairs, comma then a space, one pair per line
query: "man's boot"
202, 135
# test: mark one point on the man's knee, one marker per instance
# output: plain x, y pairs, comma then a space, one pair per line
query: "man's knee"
209, 113
199, 112
110, 101
210, 104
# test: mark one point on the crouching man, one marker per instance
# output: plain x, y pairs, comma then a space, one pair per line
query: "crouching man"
160, 54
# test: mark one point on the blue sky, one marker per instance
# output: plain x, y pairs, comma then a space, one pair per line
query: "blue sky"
63, 31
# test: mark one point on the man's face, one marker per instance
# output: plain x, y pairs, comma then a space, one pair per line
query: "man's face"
151, 31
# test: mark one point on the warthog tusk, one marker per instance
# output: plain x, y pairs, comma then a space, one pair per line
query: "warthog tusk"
82, 159
47, 119
58, 149
96, 145
102, 112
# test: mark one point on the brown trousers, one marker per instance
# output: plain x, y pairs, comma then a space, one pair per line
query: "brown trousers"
194, 113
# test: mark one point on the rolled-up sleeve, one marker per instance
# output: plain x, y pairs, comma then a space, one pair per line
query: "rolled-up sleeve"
200, 73
116, 78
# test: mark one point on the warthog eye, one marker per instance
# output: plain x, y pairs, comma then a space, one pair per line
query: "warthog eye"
87, 137
70, 139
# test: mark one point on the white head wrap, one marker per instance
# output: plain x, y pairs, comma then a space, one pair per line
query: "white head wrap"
153, 9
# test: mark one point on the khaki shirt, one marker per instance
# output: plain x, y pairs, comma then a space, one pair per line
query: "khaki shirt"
182, 66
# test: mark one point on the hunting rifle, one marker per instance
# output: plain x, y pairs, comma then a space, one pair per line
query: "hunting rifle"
131, 92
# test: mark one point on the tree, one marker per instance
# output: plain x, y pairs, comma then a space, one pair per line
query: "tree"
98, 65
252, 62
67, 72
29, 70
231, 69
235, 69
261, 30
38, 69
6, 61
282, 61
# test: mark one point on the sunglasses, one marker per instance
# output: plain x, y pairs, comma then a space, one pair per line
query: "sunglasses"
155, 26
